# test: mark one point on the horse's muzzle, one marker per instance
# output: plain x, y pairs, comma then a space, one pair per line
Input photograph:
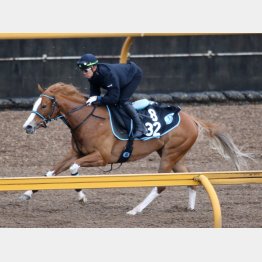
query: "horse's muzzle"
29, 129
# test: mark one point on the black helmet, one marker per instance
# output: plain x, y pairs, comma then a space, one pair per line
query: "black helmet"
86, 61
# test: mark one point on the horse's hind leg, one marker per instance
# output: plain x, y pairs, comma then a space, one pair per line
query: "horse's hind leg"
139, 208
156, 191
181, 168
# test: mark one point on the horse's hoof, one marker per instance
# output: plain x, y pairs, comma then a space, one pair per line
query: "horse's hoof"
82, 200
24, 197
133, 212
191, 209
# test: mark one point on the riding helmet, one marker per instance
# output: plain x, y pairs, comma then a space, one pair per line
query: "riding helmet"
86, 61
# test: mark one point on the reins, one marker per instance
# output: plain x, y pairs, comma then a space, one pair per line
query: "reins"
62, 116
75, 109
85, 119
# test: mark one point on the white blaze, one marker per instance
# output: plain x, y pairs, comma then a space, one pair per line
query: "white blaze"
32, 115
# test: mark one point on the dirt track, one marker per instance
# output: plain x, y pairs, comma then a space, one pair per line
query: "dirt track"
25, 155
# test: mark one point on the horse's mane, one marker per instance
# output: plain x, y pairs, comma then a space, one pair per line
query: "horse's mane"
65, 89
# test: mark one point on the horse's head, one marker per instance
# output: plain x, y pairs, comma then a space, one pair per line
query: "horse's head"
44, 110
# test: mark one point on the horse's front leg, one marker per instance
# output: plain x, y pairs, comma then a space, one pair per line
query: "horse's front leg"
63, 165
60, 167
91, 160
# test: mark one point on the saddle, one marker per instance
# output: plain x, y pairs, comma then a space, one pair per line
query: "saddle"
159, 119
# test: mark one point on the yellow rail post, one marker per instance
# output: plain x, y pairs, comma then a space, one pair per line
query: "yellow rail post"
213, 198
125, 48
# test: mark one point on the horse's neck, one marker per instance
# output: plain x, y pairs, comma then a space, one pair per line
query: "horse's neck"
76, 111
67, 104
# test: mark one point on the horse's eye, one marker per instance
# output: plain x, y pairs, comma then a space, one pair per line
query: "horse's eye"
43, 106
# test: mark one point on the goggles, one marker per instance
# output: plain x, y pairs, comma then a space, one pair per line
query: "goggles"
84, 68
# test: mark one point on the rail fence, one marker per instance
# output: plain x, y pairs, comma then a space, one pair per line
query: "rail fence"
206, 179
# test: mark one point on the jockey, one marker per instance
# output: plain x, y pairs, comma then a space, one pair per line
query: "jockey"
119, 80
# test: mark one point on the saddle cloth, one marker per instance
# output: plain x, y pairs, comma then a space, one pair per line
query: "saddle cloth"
158, 119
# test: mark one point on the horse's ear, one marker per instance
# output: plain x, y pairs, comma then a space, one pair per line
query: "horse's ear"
40, 89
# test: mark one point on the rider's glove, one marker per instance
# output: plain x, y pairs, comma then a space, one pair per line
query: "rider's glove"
91, 100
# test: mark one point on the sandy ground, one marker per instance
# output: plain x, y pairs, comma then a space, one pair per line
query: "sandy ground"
33, 155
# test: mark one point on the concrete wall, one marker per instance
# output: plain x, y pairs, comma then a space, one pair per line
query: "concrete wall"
161, 75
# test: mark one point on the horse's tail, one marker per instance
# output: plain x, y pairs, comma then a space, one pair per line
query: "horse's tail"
223, 143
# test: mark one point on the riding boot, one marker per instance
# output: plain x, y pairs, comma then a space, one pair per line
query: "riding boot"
139, 128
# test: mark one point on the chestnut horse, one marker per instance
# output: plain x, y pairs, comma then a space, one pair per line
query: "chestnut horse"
94, 144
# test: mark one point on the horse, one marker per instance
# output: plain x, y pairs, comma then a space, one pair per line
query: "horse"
93, 143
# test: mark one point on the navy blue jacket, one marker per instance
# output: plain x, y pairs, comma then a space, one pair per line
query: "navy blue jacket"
112, 78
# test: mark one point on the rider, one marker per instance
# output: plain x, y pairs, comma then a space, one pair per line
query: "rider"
119, 80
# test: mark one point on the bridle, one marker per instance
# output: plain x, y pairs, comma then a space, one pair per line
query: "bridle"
49, 118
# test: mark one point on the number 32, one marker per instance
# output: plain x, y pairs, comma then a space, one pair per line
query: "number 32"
150, 128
